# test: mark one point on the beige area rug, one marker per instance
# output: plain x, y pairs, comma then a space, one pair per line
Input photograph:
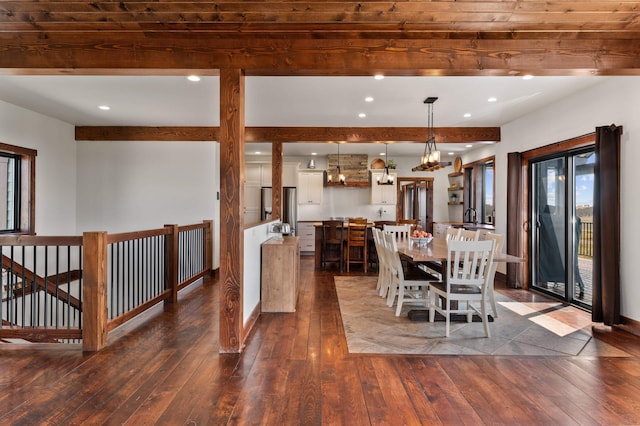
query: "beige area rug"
546, 329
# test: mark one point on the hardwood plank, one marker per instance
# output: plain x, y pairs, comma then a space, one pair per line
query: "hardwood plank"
443, 394
424, 409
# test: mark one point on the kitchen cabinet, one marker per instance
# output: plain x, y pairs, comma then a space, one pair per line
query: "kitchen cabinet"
290, 174
280, 274
310, 187
383, 194
265, 174
307, 233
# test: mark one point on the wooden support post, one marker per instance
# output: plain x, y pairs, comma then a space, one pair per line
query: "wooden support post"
172, 251
208, 246
232, 88
94, 291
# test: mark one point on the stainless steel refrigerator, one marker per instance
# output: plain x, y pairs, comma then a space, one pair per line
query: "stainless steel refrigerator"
290, 207
265, 203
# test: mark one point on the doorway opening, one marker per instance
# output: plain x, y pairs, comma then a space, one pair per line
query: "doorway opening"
415, 201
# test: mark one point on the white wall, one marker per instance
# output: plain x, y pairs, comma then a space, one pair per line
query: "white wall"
612, 101
130, 186
55, 165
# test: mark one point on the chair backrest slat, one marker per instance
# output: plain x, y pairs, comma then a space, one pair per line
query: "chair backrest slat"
469, 262
399, 231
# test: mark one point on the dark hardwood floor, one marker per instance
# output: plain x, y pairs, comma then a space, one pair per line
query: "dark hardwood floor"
296, 370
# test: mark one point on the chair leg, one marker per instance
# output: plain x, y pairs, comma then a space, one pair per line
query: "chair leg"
493, 304
432, 304
447, 317
485, 319
400, 299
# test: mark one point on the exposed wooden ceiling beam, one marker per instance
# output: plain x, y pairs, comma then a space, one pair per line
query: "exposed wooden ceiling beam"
558, 53
290, 134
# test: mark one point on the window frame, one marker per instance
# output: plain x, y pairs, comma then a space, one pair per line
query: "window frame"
475, 194
25, 217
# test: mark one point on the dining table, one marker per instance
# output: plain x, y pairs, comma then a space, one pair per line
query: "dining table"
433, 255
436, 251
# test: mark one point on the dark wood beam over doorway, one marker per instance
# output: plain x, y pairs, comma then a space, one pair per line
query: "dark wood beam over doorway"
290, 134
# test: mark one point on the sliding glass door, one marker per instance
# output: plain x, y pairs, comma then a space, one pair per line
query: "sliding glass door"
561, 189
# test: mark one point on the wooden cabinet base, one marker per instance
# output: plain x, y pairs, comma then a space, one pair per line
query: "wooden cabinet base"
280, 274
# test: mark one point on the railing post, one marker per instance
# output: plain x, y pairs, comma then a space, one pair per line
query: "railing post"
94, 291
208, 246
172, 252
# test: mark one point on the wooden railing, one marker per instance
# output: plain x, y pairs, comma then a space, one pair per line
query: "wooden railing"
70, 288
585, 245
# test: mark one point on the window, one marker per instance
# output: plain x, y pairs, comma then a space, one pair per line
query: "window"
17, 188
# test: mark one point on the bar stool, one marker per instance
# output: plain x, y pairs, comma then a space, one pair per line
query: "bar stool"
332, 243
357, 242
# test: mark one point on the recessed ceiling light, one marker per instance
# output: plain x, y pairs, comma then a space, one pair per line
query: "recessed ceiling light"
378, 77
467, 115
383, 154
469, 146
104, 107
527, 77
193, 78
492, 99
362, 115
314, 153
368, 99
258, 152
450, 153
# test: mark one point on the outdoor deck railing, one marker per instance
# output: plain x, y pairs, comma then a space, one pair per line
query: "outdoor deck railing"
70, 288
585, 245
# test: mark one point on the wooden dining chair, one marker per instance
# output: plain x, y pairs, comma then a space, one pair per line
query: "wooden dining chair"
499, 244
356, 249
332, 240
466, 281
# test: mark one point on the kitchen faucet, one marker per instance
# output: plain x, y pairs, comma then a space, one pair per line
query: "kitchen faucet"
472, 218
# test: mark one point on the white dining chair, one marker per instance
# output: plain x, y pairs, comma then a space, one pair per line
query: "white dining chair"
466, 281
407, 290
499, 244
383, 269
399, 231
453, 233
468, 235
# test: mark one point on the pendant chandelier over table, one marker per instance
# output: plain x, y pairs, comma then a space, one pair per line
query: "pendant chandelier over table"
430, 160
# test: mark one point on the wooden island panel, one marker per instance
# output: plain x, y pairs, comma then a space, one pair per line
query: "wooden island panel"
280, 274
